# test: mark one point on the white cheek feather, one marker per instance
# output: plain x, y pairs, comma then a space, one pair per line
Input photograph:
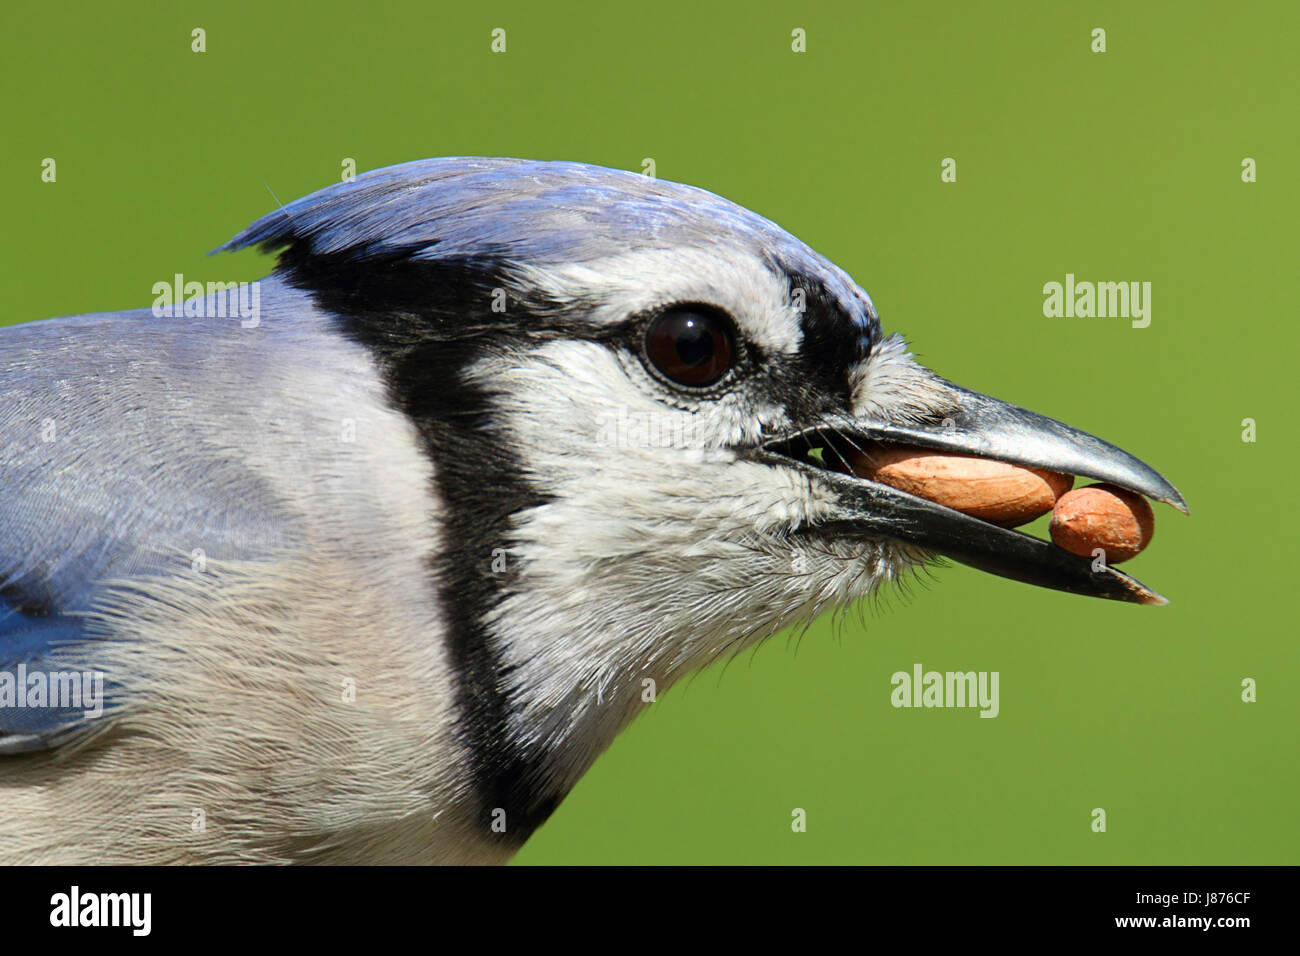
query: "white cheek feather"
648, 562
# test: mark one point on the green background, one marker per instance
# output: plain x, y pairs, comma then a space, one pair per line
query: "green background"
1117, 166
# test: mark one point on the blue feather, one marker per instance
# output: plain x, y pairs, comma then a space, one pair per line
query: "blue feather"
531, 212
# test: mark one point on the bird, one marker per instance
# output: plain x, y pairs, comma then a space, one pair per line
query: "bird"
374, 572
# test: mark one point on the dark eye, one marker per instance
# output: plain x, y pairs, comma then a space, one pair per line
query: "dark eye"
691, 347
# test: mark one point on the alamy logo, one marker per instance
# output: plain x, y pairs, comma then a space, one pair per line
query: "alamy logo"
69, 690
1085, 300
75, 908
922, 688
627, 429
216, 300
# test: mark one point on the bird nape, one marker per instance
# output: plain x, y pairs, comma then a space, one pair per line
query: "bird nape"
371, 563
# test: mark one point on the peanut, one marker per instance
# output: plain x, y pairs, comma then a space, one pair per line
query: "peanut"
1119, 522
993, 491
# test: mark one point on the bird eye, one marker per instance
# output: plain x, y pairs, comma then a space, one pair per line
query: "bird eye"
691, 347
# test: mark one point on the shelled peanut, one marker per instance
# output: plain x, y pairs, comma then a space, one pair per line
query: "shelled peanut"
993, 491
1102, 516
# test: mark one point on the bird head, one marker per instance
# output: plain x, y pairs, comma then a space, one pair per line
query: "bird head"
630, 391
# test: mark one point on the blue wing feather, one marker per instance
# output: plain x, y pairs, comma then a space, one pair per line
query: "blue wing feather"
110, 470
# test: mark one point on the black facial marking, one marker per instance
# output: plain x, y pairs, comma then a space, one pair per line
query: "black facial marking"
427, 322
817, 381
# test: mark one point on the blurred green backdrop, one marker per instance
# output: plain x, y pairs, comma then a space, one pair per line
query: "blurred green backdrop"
1122, 165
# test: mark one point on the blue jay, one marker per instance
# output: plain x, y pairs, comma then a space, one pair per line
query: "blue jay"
377, 575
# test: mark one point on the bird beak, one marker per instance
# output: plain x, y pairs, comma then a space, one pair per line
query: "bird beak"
988, 428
